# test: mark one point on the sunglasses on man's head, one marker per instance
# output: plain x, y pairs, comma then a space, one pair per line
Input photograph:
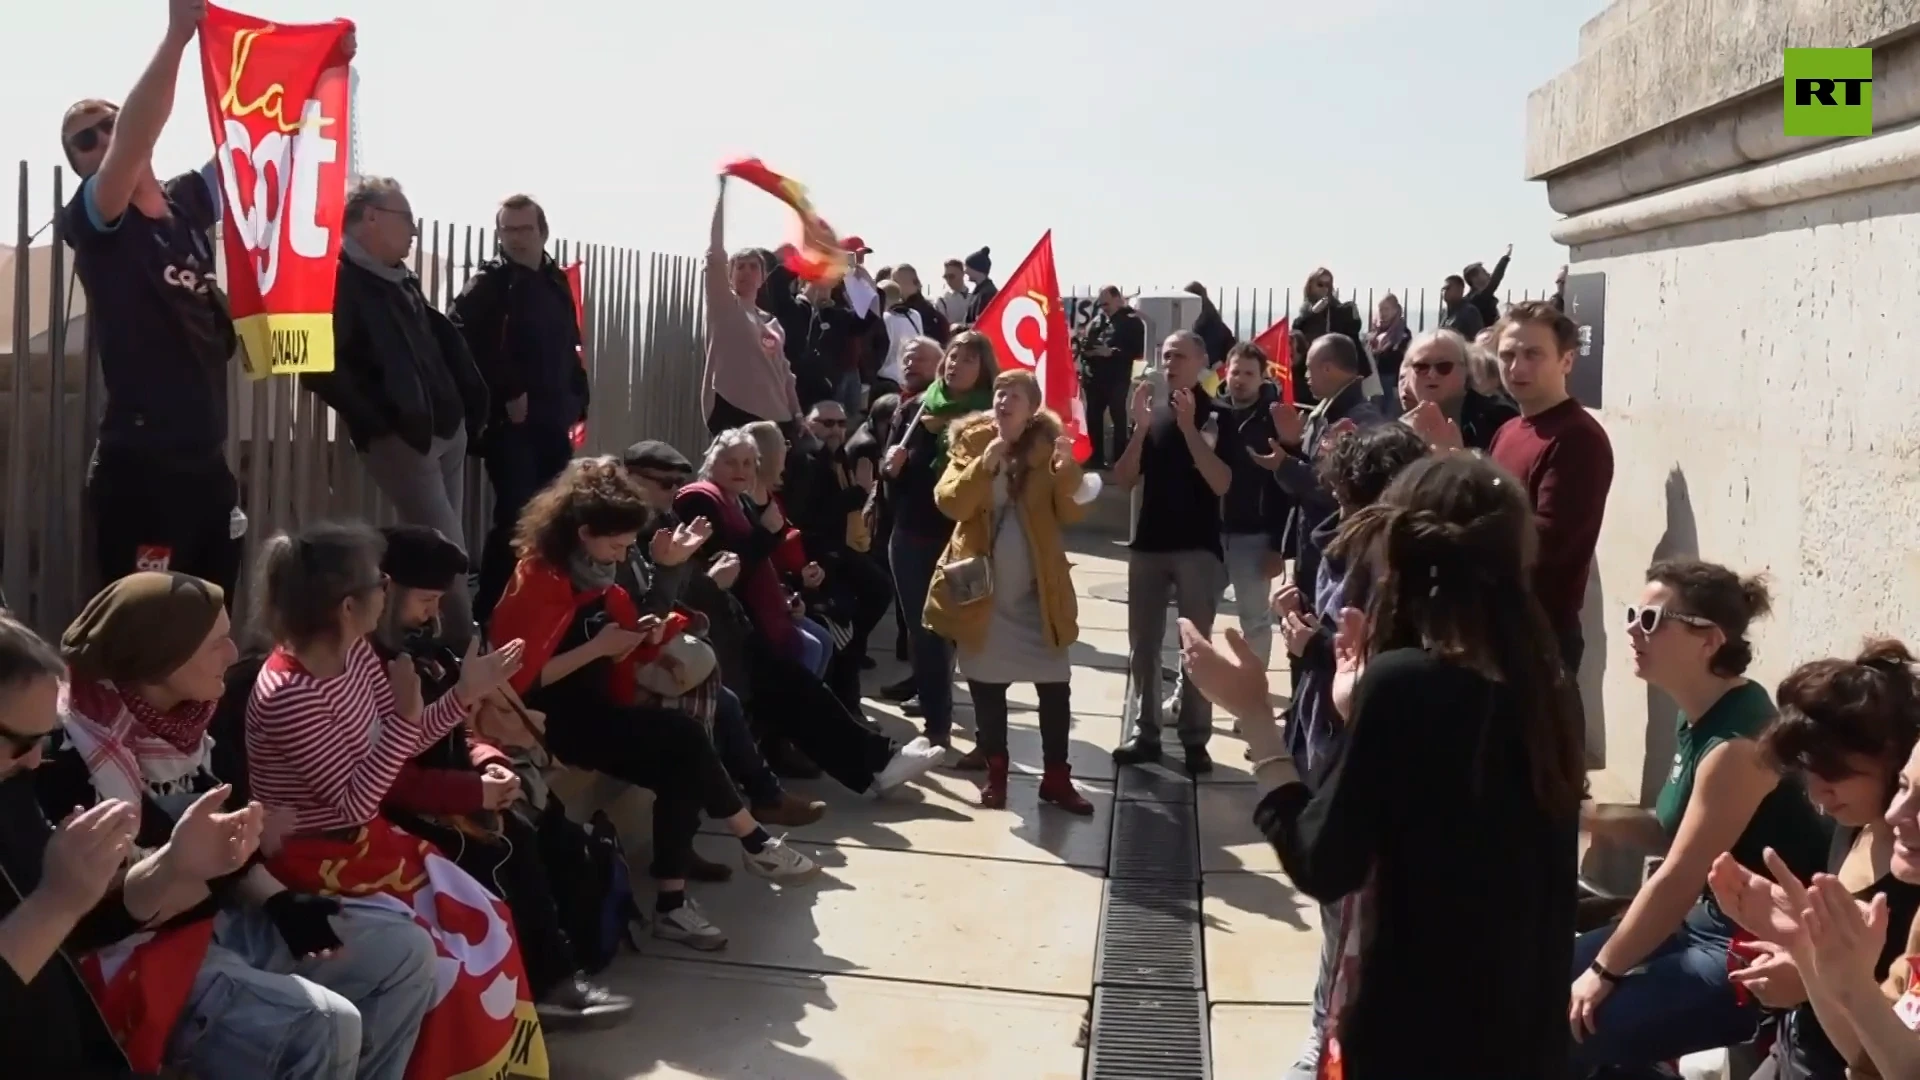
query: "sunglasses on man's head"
1442, 368
89, 137
1648, 619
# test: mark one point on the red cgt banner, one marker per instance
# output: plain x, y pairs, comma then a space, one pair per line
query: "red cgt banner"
277, 101
1028, 326
576, 285
1277, 342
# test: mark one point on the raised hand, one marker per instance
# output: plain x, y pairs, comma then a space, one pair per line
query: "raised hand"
1289, 424
482, 675
184, 18
1349, 658
208, 843
85, 852
1761, 907
1440, 432
1228, 673
1140, 405
1844, 936
671, 548
725, 569
1062, 452
1183, 408
811, 575
404, 678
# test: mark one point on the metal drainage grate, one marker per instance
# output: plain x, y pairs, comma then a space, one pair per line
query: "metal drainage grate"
1150, 934
1156, 782
1148, 1035
1154, 840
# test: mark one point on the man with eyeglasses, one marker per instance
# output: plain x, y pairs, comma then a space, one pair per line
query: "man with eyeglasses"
160, 492
1436, 366
517, 316
826, 504
403, 383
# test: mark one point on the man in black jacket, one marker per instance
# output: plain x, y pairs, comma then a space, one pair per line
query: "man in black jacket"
1253, 513
403, 382
834, 531
1485, 288
1114, 342
517, 316
1458, 312
979, 266
932, 323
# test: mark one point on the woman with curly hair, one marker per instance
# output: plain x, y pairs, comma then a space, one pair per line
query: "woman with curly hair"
585, 641
1010, 486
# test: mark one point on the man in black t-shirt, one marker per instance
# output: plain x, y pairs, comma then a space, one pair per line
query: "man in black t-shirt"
159, 488
1176, 540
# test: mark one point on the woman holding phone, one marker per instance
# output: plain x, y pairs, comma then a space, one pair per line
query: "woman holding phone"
584, 639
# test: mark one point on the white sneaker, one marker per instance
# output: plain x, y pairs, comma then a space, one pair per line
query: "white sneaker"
910, 762
777, 862
686, 925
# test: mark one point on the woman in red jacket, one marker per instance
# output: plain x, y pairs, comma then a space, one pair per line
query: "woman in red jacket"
585, 640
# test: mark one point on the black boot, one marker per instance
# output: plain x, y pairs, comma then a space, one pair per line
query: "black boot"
1137, 751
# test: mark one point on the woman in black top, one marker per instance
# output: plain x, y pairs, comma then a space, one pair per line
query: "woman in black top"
1461, 761
1848, 726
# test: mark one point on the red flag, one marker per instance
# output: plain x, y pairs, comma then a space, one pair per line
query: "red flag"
277, 101
1027, 324
142, 984
819, 256
577, 286
1277, 342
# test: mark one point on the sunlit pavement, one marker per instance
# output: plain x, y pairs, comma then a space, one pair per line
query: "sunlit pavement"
941, 940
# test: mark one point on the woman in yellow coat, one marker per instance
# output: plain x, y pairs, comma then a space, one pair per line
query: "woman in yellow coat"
1010, 485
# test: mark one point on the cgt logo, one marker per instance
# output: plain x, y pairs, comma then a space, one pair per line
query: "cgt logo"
1829, 92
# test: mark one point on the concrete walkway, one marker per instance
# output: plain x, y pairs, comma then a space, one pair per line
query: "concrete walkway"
945, 941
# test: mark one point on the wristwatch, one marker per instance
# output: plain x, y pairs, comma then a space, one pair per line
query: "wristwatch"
1606, 976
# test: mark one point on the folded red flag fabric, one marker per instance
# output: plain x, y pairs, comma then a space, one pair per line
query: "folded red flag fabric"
1277, 342
819, 255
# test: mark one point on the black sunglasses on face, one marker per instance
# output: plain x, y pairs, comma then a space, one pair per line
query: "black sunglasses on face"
89, 137
1442, 368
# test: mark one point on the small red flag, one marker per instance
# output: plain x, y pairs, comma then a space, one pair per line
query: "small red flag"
1028, 326
1277, 342
819, 256
576, 284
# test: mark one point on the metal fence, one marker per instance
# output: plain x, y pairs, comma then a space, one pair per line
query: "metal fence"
1248, 311
644, 342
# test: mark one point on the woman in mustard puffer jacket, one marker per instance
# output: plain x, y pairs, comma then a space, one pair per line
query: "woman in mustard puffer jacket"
1010, 485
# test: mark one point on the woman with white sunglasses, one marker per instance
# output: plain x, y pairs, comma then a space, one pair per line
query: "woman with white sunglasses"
1658, 984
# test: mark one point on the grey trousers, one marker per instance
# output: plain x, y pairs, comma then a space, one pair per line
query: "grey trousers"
1191, 579
429, 489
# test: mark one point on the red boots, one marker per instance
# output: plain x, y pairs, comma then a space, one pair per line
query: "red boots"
993, 790
1057, 788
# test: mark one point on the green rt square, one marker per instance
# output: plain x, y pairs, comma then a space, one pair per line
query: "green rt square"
1829, 92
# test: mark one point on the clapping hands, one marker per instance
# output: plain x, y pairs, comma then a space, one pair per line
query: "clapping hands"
676, 546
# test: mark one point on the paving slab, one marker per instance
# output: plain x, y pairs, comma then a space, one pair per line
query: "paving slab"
939, 814
1262, 940
699, 1021
1256, 1042
911, 915
1228, 840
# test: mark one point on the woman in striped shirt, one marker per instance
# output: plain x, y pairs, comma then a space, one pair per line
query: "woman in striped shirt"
328, 729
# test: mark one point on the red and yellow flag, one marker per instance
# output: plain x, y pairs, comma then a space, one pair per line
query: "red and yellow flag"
277, 101
1277, 342
818, 256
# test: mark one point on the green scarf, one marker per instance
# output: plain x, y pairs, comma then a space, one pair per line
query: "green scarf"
938, 402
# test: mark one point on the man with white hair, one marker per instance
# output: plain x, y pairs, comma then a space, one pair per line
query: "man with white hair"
1437, 376
403, 381
1176, 547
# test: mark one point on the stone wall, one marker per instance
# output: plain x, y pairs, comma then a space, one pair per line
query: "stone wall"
1761, 388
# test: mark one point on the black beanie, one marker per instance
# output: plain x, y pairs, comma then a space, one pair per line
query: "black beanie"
981, 261
419, 557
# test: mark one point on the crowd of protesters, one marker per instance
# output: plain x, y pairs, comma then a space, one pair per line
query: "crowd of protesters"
247, 825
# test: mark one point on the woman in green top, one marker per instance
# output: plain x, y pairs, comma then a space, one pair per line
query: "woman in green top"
1655, 985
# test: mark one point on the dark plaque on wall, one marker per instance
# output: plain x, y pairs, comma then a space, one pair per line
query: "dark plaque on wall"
1587, 305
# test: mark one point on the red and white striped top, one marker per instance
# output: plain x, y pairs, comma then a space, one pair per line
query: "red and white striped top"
330, 749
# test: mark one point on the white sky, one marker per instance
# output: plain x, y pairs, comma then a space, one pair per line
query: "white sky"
1241, 142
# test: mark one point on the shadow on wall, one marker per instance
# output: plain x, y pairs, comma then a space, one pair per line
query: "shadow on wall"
1681, 540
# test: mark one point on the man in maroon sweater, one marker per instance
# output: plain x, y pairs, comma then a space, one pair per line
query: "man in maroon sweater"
1563, 456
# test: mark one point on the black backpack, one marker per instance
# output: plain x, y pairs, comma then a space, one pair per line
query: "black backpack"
591, 888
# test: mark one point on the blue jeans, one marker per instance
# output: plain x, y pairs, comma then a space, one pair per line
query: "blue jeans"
850, 392
1247, 555
913, 559
816, 647
1678, 1001
256, 1012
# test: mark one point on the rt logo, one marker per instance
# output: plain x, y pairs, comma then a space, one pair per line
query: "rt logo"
1829, 92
